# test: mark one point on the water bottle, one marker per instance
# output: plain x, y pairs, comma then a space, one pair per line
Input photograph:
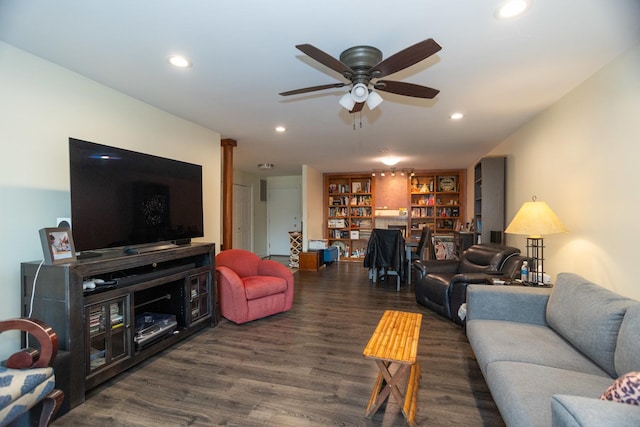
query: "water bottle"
524, 271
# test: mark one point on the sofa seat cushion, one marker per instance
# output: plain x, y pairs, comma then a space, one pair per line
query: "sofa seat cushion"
588, 316
523, 391
498, 340
261, 286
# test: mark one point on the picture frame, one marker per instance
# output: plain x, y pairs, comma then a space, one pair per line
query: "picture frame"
57, 245
444, 246
447, 183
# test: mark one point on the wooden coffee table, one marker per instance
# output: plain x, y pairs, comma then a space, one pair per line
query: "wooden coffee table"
395, 341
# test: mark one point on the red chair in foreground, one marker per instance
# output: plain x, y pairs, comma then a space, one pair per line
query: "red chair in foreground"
250, 288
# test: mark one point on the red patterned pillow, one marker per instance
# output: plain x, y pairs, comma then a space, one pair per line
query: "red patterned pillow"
625, 389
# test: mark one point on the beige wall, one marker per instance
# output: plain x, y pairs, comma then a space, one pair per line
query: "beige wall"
42, 106
581, 157
312, 205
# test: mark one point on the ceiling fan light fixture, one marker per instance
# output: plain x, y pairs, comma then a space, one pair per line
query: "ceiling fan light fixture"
265, 166
390, 160
360, 92
512, 8
179, 61
374, 100
347, 102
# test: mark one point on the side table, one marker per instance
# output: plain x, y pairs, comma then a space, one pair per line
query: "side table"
507, 281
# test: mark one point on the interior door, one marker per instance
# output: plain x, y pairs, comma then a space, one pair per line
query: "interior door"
242, 217
284, 210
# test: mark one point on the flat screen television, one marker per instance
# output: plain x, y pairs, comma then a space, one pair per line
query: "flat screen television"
125, 198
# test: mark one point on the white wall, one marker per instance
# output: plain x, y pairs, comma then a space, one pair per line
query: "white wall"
42, 106
581, 157
312, 205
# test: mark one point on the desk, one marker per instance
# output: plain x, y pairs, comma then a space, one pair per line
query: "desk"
395, 340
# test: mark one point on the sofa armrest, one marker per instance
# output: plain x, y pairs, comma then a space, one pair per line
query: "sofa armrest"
436, 266
231, 292
478, 278
578, 411
513, 303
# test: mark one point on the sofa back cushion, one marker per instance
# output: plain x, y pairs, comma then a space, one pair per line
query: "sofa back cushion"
485, 257
588, 316
627, 357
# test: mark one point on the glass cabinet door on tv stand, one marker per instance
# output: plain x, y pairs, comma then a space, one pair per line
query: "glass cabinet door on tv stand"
199, 298
108, 333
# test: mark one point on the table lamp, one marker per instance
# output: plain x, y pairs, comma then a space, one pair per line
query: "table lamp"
535, 219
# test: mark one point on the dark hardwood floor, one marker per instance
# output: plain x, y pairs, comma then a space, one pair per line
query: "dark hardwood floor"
300, 368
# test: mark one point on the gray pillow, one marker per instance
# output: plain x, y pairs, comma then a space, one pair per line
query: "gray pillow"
588, 316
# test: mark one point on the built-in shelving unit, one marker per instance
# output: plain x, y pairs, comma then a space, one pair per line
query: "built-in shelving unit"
489, 199
437, 201
349, 213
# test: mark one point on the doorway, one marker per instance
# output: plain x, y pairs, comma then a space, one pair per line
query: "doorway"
284, 212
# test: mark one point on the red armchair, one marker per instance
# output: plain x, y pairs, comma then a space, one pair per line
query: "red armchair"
250, 288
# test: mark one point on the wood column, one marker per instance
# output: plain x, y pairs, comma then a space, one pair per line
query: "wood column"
227, 191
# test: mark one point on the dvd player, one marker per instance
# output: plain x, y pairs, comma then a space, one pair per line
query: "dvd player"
152, 327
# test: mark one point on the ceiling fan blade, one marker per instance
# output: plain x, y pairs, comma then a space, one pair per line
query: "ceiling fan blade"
406, 89
405, 58
312, 89
357, 108
326, 59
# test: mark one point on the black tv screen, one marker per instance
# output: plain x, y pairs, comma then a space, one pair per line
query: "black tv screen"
123, 198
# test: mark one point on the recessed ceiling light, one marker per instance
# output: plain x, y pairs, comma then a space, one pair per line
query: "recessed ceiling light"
512, 8
456, 116
280, 129
179, 61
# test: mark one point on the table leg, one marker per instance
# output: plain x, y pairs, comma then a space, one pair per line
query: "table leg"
382, 391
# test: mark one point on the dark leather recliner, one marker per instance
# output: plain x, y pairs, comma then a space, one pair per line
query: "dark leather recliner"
442, 284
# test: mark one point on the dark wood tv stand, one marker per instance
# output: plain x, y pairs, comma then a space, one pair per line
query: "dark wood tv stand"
98, 328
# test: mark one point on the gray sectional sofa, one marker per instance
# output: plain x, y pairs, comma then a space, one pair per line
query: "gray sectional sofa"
547, 355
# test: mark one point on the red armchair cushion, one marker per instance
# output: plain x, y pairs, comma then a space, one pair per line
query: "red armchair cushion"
261, 286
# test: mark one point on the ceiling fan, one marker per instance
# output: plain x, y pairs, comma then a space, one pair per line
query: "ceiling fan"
363, 64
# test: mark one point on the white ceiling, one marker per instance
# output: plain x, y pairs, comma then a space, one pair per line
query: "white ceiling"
500, 74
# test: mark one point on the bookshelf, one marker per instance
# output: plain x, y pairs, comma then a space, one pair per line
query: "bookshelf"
437, 201
349, 213
489, 199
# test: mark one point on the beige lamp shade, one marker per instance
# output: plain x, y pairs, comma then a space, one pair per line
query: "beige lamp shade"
535, 219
